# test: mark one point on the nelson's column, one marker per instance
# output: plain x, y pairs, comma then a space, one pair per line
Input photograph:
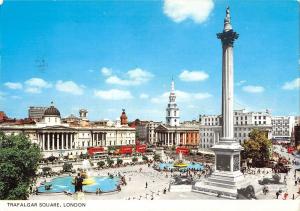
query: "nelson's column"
227, 177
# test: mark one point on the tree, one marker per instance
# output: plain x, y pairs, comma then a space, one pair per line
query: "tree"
110, 162
46, 170
119, 161
67, 167
101, 164
156, 157
145, 158
18, 165
257, 147
134, 159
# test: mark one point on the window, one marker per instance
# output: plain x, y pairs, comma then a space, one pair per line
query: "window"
175, 114
264, 122
259, 122
259, 117
245, 117
264, 117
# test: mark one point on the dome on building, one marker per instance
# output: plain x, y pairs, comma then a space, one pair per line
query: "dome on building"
52, 111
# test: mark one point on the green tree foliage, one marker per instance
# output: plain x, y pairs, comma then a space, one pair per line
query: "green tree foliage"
110, 162
101, 164
67, 167
18, 165
145, 158
134, 159
257, 147
156, 157
119, 161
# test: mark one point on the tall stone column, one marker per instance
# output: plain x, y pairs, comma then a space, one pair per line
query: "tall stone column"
227, 37
227, 178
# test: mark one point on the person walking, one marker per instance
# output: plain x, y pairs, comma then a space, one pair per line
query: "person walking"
277, 194
146, 185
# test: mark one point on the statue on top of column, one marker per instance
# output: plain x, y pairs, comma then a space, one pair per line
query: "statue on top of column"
227, 24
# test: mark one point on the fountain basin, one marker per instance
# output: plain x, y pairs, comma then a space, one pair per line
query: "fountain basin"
182, 166
64, 184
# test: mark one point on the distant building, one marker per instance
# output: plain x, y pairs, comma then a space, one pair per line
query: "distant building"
244, 123
123, 118
145, 131
71, 135
297, 135
36, 113
282, 128
173, 133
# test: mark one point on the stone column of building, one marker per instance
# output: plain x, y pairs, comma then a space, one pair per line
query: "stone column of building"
48, 141
62, 141
66, 140
43, 141
52, 140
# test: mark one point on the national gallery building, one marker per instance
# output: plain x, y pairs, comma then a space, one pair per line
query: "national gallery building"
71, 135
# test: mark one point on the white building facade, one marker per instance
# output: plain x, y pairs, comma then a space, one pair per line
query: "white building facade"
61, 139
282, 127
244, 123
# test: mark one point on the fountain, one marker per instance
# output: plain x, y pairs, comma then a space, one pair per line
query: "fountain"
163, 156
85, 174
89, 182
180, 162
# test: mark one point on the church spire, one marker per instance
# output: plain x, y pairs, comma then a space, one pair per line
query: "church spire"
227, 21
172, 86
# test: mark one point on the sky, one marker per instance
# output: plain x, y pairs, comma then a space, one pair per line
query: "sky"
108, 55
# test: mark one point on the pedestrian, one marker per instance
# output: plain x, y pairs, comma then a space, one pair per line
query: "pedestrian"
296, 182
277, 194
146, 185
285, 196
293, 196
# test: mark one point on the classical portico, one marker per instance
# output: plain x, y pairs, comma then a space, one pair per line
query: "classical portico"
56, 140
177, 136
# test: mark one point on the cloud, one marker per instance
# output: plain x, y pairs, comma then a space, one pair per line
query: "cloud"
253, 89
113, 94
290, 85
106, 71
36, 85
1, 2
186, 75
181, 96
69, 87
241, 82
144, 96
12, 85
196, 10
134, 77
38, 82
